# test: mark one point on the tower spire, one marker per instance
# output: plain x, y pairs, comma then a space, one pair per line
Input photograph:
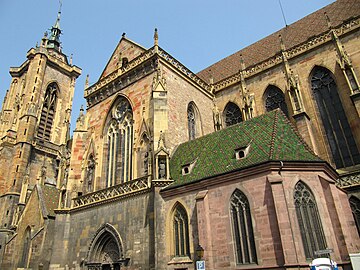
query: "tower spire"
54, 39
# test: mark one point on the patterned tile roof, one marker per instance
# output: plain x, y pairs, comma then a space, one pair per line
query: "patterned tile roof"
270, 137
51, 199
292, 35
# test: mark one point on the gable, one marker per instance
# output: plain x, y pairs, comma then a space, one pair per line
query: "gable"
128, 49
33, 212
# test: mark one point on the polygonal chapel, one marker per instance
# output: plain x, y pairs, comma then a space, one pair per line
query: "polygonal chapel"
251, 163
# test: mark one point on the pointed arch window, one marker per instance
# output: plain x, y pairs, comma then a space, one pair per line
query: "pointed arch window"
24, 260
48, 112
308, 217
275, 98
232, 114
181, 232
191, 121
338, 132
120, 142
355, 209
242, 229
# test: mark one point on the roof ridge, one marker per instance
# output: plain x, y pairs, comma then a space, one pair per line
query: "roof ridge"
313, 24
301, 139
273, 134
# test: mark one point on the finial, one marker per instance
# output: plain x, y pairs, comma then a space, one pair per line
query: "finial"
55, 32
211, 77
123, 35
71, 59
328, 20
81, 108
242, 63
119, 62
87, 81
156, 37
282, 45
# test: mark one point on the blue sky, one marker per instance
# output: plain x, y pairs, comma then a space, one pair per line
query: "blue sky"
198, 33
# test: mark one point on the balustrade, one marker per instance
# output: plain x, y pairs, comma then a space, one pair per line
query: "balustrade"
127, 188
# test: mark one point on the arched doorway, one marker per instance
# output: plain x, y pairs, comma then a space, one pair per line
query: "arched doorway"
106, 250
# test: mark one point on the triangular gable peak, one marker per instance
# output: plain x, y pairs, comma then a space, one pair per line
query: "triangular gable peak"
125, 51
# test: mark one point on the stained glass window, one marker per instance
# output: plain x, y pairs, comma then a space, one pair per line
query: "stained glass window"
243, 229
191, 121
120, 141
309, 220
181, 232
275, 98
232, 114
355, 208
338, 132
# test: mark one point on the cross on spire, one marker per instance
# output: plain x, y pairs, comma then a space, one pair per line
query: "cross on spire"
55, 32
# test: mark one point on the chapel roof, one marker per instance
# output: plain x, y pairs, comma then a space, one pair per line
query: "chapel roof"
269, 137
49, 195
292, 35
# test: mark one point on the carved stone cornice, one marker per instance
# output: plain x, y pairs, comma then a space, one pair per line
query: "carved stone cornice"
46, 146
187, 73
312, 43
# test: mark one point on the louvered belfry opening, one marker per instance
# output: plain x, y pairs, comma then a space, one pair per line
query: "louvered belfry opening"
48, 112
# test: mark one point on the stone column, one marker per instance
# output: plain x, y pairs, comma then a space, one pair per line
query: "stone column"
204, 228
283, 219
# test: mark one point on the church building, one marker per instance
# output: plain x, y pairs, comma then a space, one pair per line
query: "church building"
251, 163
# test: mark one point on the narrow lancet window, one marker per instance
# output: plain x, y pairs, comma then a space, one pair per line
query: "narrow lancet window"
242, 229
181, 232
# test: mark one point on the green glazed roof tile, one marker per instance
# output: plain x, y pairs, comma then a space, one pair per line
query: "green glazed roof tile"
270, 137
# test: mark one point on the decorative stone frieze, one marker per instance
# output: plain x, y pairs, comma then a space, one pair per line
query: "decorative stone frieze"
349, 180
125, 189
290, 53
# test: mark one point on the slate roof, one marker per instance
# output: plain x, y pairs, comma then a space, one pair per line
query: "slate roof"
292, 35
271, 138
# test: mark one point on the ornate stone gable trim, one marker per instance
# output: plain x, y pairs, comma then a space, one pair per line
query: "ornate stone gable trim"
136, 69
312, 43
120, 79
187, 73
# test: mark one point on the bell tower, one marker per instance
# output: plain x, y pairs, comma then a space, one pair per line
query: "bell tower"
34, 126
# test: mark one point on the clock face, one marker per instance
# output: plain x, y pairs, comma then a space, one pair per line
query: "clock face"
121, 109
